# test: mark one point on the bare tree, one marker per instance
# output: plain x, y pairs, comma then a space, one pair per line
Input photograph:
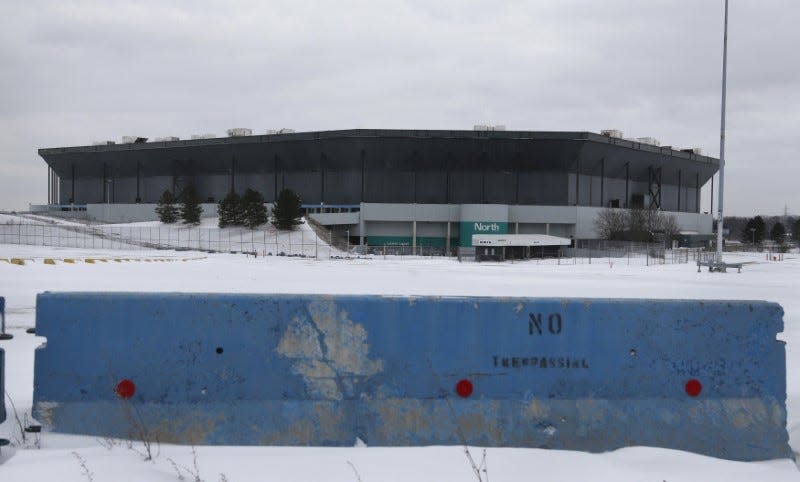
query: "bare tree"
668, 224
635, 224
610, 223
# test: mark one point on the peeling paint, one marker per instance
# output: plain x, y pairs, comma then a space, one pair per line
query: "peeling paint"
328, 351
300, 341
345, 342
45, 413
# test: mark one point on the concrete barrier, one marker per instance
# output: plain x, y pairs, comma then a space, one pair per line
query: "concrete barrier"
2, 385
2, 364
578, 374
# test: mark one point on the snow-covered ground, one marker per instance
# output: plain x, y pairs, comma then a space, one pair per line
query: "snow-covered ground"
265, 240
56, 459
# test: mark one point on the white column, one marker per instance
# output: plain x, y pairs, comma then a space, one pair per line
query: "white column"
414, 237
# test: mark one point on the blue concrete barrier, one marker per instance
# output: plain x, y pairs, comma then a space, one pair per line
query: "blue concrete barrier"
2, 363
2, 386
579, 374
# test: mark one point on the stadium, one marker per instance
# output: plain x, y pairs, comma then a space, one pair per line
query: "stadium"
396, 187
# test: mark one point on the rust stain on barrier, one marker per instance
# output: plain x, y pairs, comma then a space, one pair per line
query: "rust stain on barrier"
481, 421
324, 421
180, 432
399, 416
746, 412
537, 409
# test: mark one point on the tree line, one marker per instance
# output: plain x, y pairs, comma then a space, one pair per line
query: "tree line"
756, 230
640, 225
247, 210
186, 207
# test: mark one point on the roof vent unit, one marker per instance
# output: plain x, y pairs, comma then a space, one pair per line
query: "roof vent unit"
693, 150
499, 127
167, 139
194, 137
103, 143
128, 139
614, 133
483, 127
240, 132
649, 140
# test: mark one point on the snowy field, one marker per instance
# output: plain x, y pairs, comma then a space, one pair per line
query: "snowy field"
71, 458
33, 230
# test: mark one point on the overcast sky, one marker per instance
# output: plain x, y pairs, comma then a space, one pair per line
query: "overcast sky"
73, 72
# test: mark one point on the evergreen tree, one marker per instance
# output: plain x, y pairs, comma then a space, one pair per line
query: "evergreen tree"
753, 231
230, 210
166, 209
286, 212
796, 230
255, 212
190, 206
761, 228
778, 233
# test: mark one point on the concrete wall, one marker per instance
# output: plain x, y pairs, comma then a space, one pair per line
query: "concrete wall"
2, 385
574, 374
336, 219
565, 221
129, 213
409, 212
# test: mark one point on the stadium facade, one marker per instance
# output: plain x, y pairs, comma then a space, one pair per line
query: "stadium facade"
398, 187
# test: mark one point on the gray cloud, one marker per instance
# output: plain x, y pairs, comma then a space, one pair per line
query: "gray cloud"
75, 72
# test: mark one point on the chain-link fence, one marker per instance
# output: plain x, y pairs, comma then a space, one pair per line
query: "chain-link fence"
404, 250
305, 242
589, 251
261, 242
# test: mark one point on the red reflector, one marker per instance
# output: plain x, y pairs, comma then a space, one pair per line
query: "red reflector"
464, 388
125, 389
694, 387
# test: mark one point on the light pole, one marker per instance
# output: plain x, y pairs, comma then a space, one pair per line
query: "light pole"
722, 139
